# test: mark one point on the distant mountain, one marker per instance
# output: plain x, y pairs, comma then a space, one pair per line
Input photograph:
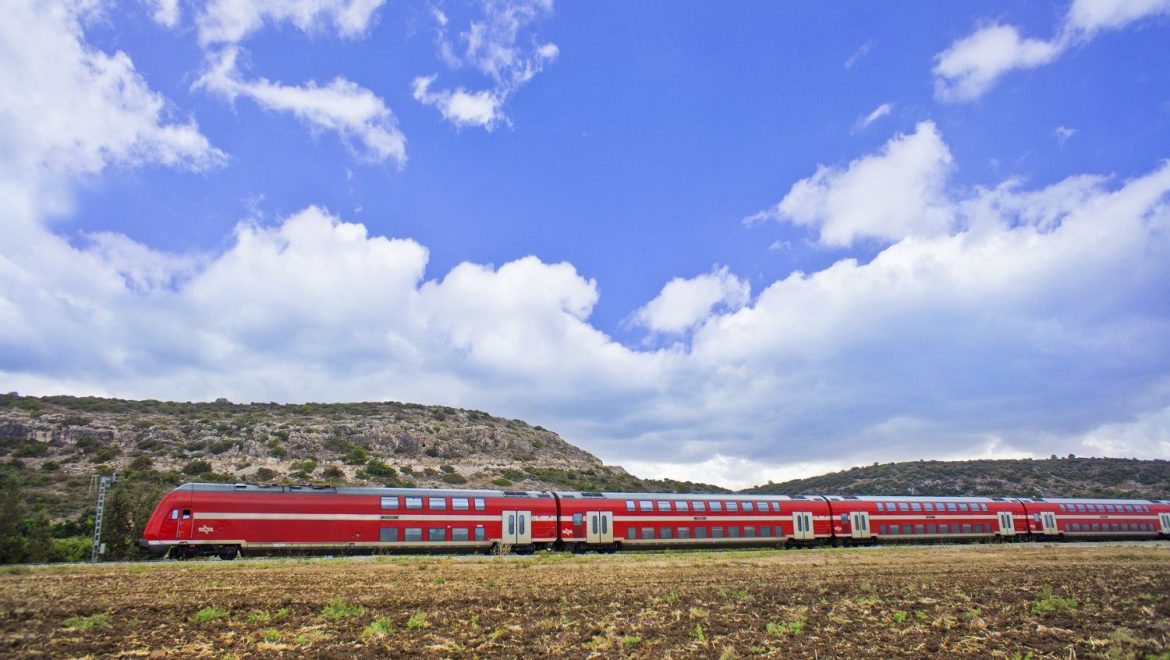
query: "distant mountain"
52, 446
1055, 477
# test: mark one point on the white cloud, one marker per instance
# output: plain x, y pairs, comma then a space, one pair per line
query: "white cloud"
71, 109
1063, 133
972, 65
358, 116
882, 110
491, 46
889, 196
231, 21
861, 52
166, 12
461, 107
683, 303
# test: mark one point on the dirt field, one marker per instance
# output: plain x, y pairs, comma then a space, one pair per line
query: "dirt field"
1014, 601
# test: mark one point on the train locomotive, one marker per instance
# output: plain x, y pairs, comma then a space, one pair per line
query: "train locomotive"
227, 519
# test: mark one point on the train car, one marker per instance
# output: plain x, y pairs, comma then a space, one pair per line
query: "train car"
874, 519
225, 519
1081, 519
608, 521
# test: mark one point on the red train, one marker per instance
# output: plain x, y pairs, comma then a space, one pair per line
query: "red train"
223, 519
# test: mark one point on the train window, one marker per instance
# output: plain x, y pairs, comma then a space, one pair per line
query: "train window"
460, 504
578, 518
966, 529
631, 533
604, 525
682, 505
666, 532
902, 506
663, 505
984, 506
437, 503
593, 520
647, 533
929, 506
944, 528
885, 529
844, 517
1081, 508
932, 529
389, 502
414, 502
436, 534
629, 505
716, 506
1128, 508
700, 532
186, 514
645, 505
748, 506
174, 514
916, 506
1112, 508
480, 505
766, 532
749, 532
951, 506
963, 506
459, 534
733, 506
881, 507
733, 532
716, 532
388, 535
762, 507
413, 534
920, 529
684, 532
776, 507
480, 533
700, 507
1097, 527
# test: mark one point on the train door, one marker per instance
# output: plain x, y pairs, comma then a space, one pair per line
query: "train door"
184, 524
1048, 520
859, 520
1007, 525
1164, 518
599, 527
517, 527
802, 527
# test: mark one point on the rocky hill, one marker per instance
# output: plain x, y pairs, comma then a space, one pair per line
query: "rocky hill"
1055, 477
55, 444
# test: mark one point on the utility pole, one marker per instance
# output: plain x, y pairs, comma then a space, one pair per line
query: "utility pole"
101, 483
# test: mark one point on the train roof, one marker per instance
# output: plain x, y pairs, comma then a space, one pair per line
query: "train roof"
1088, 500
680, 496
357, 490
915, 498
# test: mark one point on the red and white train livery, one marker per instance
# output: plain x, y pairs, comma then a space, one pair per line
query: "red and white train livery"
223, 519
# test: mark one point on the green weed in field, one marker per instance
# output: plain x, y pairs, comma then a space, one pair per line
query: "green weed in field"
630, 641
379, 628
209, 614
98, 620
417, 621
698, 634
339, 609
271, 636
1046, 602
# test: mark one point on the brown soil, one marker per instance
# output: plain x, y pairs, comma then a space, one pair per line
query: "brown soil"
1008, 601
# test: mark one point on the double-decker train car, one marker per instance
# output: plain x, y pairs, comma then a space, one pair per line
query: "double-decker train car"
605, 521
870, 519
1097, 518
223, 519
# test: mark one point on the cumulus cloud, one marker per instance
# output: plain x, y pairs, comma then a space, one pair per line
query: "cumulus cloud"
71, 109
888, 196
356, 114
683, 303
166, 12
492, 46
972, 65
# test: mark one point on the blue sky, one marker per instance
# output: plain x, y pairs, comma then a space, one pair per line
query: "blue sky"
720, 242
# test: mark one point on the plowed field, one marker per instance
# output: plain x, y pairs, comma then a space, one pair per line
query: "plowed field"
1109, 600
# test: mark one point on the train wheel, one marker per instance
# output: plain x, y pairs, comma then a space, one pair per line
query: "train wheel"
229, 553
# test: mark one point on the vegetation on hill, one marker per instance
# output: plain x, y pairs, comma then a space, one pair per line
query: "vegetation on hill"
1054, 477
